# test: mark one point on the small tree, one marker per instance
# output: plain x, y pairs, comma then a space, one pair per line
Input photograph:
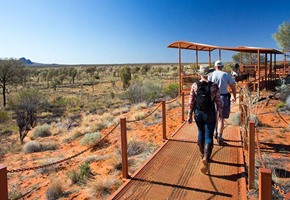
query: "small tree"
26, 104
247, 58
125, 75
10, 71
282, 37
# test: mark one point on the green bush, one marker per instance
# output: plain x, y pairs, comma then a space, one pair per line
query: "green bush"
42, 131
172, 90
90, 138
140, 91
84, 172
31, 147
4, 117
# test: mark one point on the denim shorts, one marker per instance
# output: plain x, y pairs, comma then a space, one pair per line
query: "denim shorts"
226, 104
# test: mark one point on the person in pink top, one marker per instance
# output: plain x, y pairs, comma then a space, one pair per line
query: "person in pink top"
204, 97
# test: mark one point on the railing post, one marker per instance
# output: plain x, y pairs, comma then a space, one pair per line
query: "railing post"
241, 108
124, 148
251, 154
182, 107
3, 183
265, 184
164, 120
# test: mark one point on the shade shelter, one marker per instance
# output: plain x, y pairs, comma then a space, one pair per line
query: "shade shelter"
269, 71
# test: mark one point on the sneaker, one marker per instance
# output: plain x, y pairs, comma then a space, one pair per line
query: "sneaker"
220, 141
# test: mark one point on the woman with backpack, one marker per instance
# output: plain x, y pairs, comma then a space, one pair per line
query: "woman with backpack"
204, 97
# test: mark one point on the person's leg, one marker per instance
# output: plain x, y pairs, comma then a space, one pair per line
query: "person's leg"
226, 111
209, 127
198, 117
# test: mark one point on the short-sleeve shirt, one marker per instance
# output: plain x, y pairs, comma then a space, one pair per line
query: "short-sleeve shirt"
222, 79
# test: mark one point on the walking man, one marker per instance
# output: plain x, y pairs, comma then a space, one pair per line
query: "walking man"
223, 80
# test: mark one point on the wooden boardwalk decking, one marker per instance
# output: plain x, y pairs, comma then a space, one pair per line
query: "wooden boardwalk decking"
173, 172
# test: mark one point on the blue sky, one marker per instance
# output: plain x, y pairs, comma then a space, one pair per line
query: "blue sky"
133, 31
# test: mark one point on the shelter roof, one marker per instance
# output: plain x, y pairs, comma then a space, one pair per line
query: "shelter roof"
206, 47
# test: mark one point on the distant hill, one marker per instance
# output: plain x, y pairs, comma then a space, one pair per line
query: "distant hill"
29, 63
25, 61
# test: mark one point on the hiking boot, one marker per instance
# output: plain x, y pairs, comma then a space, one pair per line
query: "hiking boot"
201, 149
206, 157
220, 141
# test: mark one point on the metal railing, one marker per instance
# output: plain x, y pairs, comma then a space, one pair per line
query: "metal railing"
250, 133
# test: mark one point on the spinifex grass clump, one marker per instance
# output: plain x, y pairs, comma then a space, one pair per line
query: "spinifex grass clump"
42, 131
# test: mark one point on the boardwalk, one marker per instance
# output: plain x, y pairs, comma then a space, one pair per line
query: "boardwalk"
174, 171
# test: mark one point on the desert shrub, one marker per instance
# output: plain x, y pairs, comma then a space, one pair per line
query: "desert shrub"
80, 176
85, 170
55, 191
46, 146
140, 91
172, 90
60, 101
31, 147
236, 118
136, 147
104, 186
3, 116
42, 131
90, 138
74, 176
280, 104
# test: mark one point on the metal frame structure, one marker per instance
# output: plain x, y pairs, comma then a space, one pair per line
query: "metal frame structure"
205, 47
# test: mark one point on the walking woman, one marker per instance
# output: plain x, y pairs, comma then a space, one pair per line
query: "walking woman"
204, 97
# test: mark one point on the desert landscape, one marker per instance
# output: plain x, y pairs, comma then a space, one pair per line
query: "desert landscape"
63, 157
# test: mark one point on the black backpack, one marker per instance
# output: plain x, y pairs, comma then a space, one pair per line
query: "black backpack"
203, 100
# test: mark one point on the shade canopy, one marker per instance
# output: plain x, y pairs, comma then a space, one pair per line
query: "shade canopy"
206, 47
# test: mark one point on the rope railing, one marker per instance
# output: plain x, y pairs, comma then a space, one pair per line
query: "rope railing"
4, 171
65, 159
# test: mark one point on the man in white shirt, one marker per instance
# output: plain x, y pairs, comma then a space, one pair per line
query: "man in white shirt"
223, 80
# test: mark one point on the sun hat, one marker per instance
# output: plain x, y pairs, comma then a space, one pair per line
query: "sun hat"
218, 63
204, 70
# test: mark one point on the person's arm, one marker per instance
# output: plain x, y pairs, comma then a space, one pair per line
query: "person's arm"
233, 87
191, 102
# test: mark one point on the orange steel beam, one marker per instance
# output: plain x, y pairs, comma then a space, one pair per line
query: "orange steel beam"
265, 184
124, 148
251, 154
179, 68
209, 59
164, 120
182, 107
3, 182
266, 73
259, 72
196, 58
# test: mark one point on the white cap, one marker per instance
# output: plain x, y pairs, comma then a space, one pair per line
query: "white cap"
218, 63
